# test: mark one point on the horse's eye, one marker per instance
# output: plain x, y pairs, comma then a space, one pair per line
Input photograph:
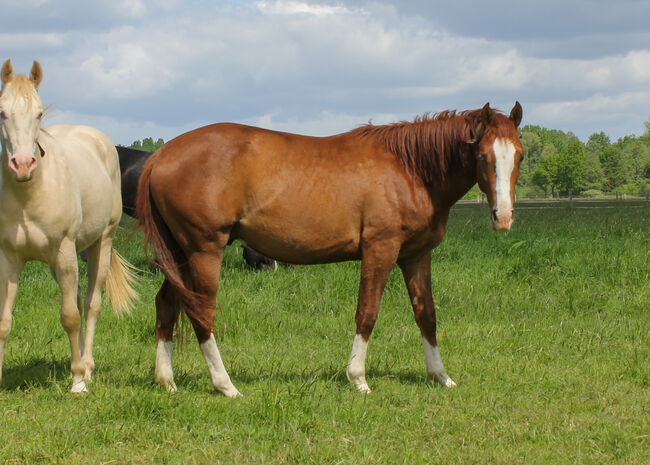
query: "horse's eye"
40, 115
483, 158
3, 115
521, 158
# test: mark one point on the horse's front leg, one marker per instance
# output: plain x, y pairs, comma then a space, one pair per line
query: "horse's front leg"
376, 263
417, 275
66, 274
8, 286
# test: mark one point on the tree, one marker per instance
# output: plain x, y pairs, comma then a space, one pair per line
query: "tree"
533, 151
569, 176
545, 172
594, 177
147, 144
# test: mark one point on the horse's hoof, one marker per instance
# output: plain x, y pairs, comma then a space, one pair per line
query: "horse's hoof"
230, 391
363, 389
361, 385
79, 388
443, 380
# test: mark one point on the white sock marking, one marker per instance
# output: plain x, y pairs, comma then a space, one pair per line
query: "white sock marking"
435, 368
356, 370
220, 379
164, 373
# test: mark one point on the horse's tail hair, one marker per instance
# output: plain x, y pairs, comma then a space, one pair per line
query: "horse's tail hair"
170, 258
119, 284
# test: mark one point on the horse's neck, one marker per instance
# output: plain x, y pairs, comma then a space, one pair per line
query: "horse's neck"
456, 183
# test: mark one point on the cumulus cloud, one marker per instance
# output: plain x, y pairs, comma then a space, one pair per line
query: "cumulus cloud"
323, 66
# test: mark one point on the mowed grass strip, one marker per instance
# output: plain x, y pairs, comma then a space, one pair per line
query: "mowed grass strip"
545, 330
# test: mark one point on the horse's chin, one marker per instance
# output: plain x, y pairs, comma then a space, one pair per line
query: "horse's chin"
501, 226
23, 179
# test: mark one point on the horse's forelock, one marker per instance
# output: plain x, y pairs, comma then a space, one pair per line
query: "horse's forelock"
22, 87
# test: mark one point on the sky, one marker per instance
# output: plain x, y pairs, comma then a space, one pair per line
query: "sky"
158, 68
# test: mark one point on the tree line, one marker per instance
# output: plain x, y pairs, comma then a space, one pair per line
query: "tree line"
147, 144
558, 164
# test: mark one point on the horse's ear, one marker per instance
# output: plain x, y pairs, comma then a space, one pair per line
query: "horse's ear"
486, 117
486, 114
478, 133
516, 114
36, 74
7, 72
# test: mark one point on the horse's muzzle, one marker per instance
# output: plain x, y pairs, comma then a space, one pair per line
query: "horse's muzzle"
23, 167
502, 220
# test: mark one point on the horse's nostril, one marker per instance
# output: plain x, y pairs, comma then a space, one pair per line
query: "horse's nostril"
494, 215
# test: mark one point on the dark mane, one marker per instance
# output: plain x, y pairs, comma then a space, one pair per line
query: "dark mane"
430, 146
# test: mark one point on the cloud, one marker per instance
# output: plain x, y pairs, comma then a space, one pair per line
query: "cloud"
325, 66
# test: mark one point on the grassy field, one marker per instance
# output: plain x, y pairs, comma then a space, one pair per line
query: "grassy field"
545, 329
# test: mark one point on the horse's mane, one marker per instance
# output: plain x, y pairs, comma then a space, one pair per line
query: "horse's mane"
431, 145
23, 87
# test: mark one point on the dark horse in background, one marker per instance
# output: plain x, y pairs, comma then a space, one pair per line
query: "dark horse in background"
131, 164
379, 194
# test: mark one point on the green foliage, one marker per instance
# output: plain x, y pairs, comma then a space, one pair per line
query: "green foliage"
569, 176
545, 330
147, 144
559, 164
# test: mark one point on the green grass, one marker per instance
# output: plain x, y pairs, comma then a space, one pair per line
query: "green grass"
545, 329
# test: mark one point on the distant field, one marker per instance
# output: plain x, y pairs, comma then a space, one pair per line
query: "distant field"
545, 329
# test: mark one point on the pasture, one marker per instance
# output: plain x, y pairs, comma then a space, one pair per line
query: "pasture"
545, 329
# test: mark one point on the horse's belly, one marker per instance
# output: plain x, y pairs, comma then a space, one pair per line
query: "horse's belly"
301, 245
94, 222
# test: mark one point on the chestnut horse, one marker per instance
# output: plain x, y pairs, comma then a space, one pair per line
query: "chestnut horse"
381, 194
59, 195
131, 165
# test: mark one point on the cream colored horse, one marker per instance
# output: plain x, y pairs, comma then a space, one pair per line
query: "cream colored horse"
59, 195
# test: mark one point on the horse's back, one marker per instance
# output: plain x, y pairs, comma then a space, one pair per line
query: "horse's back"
83, 145
92, 162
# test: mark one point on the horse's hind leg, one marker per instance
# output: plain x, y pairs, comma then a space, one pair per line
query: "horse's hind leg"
8, 287
99, 258
167, 311
417, 275
205, 270
66, 274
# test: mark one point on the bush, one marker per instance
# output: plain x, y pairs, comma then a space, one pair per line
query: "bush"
591, 193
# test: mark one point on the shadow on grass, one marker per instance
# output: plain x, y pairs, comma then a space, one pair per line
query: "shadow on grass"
37, 373
333, 377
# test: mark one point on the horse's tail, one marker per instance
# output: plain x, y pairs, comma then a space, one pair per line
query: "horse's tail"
119, 283
169, 255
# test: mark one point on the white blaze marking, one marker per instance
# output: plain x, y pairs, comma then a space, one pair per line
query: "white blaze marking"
356, 371
435, 368
220, 379
504, 153
164, 373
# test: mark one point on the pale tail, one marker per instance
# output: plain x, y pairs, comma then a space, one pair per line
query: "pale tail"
121, 278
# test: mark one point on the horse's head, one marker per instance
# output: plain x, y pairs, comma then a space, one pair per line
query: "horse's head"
499, 154
21, 111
